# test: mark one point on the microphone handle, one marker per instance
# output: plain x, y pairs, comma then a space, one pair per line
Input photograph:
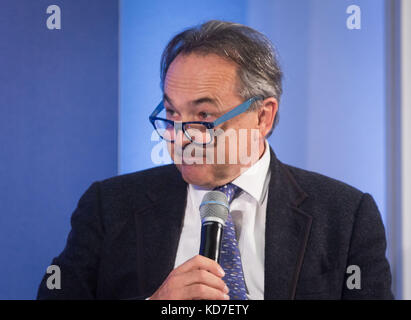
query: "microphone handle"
211, 240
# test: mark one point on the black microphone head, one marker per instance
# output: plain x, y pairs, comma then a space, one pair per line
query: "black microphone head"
214, 207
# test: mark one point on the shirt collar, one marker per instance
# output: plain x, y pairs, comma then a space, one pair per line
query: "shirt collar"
253, 179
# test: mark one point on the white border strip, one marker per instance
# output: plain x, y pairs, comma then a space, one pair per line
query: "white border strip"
406, 144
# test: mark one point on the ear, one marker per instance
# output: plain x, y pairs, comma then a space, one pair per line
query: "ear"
266, 115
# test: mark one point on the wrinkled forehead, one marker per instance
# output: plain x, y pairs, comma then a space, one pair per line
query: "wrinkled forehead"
192, 75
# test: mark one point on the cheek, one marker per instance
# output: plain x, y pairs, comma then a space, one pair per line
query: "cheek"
239, 146
170, 148
245, 121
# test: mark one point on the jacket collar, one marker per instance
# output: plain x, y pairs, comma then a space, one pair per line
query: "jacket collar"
286, 234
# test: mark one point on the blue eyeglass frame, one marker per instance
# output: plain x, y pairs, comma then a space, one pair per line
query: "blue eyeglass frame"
209, 125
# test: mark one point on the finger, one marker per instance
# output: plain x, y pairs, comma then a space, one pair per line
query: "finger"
205, 277
202, 292
200, 262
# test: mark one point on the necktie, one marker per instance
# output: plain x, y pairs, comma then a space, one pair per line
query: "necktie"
230, 258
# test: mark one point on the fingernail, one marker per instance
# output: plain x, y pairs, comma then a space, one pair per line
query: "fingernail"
221, 272
226, 290
226, 297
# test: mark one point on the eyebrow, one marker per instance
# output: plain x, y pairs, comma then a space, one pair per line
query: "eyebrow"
205, 100
196, 102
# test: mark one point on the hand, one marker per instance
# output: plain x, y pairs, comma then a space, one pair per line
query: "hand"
196, 279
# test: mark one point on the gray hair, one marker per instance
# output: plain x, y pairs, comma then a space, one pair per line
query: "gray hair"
258, 68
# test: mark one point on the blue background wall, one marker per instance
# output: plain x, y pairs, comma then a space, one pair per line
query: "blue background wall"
332, 115
58, 127
333, 109
74, 104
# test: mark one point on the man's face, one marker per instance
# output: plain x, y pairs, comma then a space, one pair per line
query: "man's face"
203, 88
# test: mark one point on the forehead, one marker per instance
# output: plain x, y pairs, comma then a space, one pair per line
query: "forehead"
195, 74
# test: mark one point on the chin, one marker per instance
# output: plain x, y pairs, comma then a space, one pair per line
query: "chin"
196, 174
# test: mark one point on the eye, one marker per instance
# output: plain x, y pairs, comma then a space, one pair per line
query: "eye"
204, 115
170, 112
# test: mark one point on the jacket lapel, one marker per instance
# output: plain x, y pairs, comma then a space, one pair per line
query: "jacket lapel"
158, 228
286, 234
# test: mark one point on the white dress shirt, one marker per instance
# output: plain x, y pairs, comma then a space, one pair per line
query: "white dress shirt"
248, 211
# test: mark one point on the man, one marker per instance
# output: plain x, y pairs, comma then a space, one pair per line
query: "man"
294, 234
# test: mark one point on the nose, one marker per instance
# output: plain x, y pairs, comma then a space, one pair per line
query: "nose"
181, 139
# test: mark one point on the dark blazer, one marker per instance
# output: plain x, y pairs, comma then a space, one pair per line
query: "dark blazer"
126, 230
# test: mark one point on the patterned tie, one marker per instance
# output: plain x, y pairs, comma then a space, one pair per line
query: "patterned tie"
230, 258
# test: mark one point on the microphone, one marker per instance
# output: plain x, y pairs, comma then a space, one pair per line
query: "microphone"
214, 213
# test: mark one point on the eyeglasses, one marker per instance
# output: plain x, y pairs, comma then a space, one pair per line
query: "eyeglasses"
198, 132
